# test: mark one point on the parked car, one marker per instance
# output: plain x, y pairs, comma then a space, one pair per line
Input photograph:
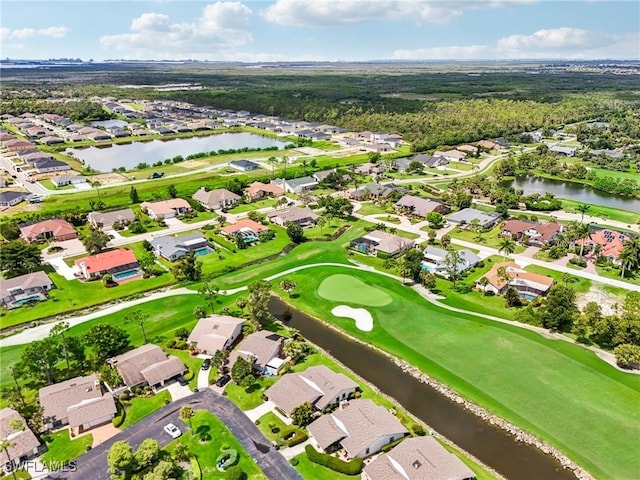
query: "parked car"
156, 175
223, 380
206, 364
172, 430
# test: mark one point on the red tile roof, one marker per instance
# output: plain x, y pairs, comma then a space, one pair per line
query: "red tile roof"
241, 224
107, 260
612, 242
546, 230
59, 229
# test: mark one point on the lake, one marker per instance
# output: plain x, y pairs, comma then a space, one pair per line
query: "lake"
104, 158
109, 123
572, 191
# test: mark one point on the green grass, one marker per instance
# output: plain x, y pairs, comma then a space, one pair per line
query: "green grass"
193, 363
70, 295
144, 406
490, 238
550, 388
248, 398
255, 205
47, 183
62, 449
205, 425
614, 272
347, 289
369, 208
263, 426
313, 471
606, 213
200, 217
20, 475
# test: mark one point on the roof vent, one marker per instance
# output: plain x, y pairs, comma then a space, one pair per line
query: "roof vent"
416, 464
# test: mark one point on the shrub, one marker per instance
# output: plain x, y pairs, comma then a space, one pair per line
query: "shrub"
299, 437
188, 376
227, 459
418, 430
578, 261
171, 343
121, 415
294, 461
235, 473
352, 467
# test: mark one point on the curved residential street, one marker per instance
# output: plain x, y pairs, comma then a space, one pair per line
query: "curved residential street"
93, 464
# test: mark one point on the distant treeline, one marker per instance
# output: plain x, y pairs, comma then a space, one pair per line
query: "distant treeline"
78, 111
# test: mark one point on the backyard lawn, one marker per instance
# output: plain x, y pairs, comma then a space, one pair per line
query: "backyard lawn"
491, 238
210, 436
144, 406
551, 388
62, 449
370, 208
313, 471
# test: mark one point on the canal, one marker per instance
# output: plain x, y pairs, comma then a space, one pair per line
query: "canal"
104, 158
579, 192
491, 445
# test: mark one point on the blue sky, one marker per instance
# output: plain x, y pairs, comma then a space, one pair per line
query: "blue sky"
281, 30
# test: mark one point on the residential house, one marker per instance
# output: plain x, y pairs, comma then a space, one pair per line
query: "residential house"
121, 264
318, 385
611, 243
529, 285
68, 179
467, 149
17, 145
106, 220
616, 154
489, 145
302, 216
418, 458
369, 169
262, 348
78, 402
49, 165
31, 287
296, 185
216, 332
466, 216
321, 175
502, 142
11, 197
166, 208
430, 161
172, 248
566, 151
452, 155
21, 443
435, 260
258, 190
246, 228
421, 207
218, 199
243, 165
149, 365
33, 156
51, 140
375, 191
377, 242
53, 229
359, 426
537, 234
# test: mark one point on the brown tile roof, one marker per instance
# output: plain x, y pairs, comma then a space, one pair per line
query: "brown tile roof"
388, 242
418, 458
147, 363
56, 399
165, 207
91, 410
212, 198
318, 385
546, 230
357, 424
612, 242
294, 214
515, 273
262, 345
211, 333
244, 224
59, 228
107, 219
257, 187
419, 206
24, 442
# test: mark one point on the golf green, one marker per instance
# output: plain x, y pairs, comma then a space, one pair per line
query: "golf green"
348, 289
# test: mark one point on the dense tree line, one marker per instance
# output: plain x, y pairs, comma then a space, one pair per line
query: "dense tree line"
78, 111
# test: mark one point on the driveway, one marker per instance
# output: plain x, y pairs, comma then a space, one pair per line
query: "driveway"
93, 464
203, 378
173, 222
62, 268
70, 248
178, 391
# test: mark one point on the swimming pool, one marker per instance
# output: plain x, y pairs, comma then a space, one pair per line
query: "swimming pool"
127, 274
202, 251
22, 301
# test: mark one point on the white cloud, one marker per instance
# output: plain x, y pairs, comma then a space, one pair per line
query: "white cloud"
562, 42
27, 33
220, 26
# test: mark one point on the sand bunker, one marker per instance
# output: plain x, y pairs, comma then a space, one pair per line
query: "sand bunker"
364, 320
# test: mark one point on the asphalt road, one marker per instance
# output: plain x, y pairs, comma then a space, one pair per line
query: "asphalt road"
93, 465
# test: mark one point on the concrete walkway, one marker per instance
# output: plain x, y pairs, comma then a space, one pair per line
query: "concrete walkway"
296, 450
260, 410
203, 378
62, 268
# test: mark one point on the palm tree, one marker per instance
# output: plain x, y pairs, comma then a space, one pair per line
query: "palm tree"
507, 247
483, 282
272, 161
304, 164
583, 232
504, 275
583, 208
445, 241
630, 255
185, 415
5, 444
241, 303
321, 223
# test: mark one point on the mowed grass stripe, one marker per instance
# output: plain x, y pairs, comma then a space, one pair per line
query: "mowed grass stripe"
560, 392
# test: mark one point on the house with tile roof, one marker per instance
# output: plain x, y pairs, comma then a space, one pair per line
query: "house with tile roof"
258, 190
22, 443
610, 243
378, 241
106, 220
31, 287
318, 385
218, 199
53, 229
435, 260
248, 229
359, 426
528, 284
421, 207
121, 264
536, 234
260, 347
79, 402
302, 216
216, 332
418, 458
166, 208
149, 365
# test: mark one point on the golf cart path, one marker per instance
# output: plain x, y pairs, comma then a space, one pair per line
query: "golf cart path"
42, 331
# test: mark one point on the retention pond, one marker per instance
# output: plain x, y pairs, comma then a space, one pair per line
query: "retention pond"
490, 444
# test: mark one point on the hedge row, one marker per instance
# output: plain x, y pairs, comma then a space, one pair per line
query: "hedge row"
297, 437
352, 467
121, 415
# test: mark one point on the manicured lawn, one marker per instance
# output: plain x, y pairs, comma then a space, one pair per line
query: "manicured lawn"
255, 205
345, 288
248, 398
552, 388
20, 475
316, 232
491, 238
606, 213
143, 406
370, 208
263, 426
216, 436
200, 217
613, 272
62, 449
193, 363
313, 471
72, 295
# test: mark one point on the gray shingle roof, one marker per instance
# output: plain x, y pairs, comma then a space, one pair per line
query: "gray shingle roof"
147, 363
211, 333
22, 442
